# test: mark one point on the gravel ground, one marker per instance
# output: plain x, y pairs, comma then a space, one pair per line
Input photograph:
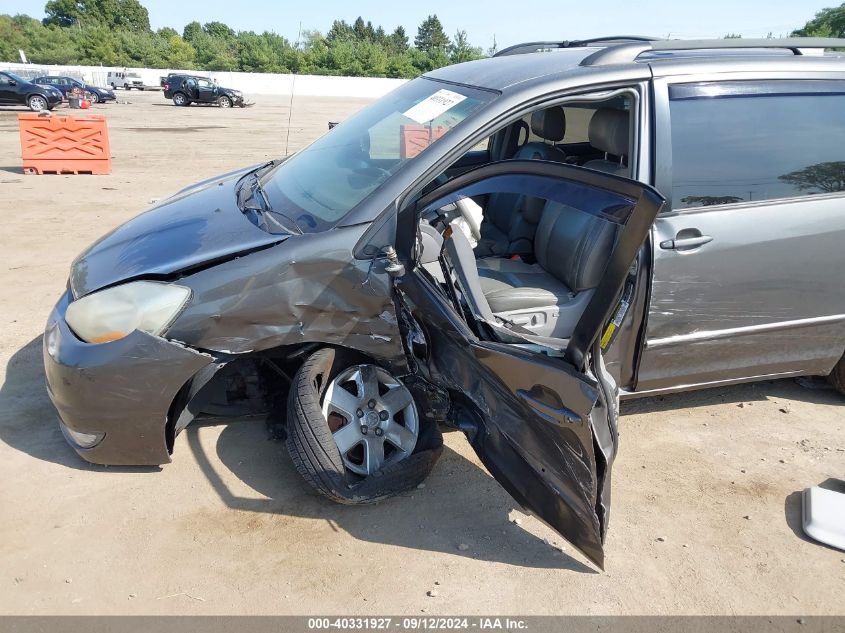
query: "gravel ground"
706, 516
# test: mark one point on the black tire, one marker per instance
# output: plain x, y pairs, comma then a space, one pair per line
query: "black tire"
224, 102
314, 452
94, 98
181, 99
837, 376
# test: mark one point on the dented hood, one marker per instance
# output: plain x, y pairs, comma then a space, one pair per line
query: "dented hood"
198, 225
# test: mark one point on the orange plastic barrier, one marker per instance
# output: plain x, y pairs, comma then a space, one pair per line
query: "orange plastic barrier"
64, 144
415, 138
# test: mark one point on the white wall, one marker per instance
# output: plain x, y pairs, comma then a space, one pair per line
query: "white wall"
250, 83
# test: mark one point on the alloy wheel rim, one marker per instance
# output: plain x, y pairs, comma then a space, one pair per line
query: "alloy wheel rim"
225, 103
372, 417
38, 103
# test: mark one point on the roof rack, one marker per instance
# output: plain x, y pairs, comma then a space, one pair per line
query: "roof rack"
629, 52
535, 47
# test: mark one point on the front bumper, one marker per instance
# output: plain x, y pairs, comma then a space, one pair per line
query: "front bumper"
122, 390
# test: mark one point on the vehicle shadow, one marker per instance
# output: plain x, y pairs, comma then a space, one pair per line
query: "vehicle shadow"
459, 503
28, 421
17, 169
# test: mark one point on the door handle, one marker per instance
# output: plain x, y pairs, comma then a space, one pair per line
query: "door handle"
554, 414
686, 239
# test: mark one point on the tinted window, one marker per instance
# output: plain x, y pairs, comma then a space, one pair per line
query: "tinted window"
743, 141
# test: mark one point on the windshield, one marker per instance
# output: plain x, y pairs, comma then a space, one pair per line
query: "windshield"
323, 182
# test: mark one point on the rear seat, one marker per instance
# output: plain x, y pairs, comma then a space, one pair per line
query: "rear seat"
510, 221
609, 133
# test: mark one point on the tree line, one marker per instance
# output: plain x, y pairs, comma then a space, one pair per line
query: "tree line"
118, 33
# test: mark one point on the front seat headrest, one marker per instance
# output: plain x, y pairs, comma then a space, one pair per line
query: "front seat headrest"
549, 124
609, 131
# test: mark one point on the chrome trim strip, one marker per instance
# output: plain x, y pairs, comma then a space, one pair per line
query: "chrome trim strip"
625, 394
711, 335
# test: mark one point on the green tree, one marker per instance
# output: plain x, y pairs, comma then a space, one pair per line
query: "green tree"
218, 29
62, 12
824, 177
828, 22
115, 14
192, 31
460, 49
340, 31
431, 38
179, 53
398, 41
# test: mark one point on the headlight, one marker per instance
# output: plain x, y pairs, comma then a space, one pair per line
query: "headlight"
111, 314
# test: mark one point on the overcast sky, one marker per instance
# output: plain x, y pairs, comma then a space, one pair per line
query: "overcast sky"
510, 21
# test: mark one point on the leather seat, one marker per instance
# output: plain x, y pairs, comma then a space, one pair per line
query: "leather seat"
508, 227
572, 249
609, 132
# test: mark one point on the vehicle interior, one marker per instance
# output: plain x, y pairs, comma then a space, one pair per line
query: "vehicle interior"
523, 260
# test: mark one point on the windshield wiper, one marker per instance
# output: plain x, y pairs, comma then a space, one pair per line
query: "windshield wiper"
252, 200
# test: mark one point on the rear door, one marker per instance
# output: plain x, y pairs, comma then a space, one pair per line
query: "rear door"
747, 262
541, 414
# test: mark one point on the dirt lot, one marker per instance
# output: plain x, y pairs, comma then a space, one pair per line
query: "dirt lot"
706, 516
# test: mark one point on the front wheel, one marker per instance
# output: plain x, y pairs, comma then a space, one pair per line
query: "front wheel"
224, 102
37, 103
93, 97
180, 99
354, 431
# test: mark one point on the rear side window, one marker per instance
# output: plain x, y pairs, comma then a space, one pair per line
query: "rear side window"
738, 142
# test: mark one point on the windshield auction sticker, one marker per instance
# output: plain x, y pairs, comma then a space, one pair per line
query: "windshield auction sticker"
433, 106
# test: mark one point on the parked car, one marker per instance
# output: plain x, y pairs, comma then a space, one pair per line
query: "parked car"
188, 89
125, 80
645, 218
66, 86
15, 90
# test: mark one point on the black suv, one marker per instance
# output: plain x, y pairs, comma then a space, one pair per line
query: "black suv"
16, 90
188, 89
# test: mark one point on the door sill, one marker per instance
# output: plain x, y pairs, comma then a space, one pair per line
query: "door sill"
625, 394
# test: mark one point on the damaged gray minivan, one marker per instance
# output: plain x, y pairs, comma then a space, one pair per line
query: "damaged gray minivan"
484, 247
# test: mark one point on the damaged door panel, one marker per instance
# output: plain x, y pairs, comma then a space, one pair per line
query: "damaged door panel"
540, 412
527, 418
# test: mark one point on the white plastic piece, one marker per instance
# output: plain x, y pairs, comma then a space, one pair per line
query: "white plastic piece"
824, 516
470, 219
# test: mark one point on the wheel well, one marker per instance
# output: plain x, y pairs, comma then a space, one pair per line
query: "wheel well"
247, 385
